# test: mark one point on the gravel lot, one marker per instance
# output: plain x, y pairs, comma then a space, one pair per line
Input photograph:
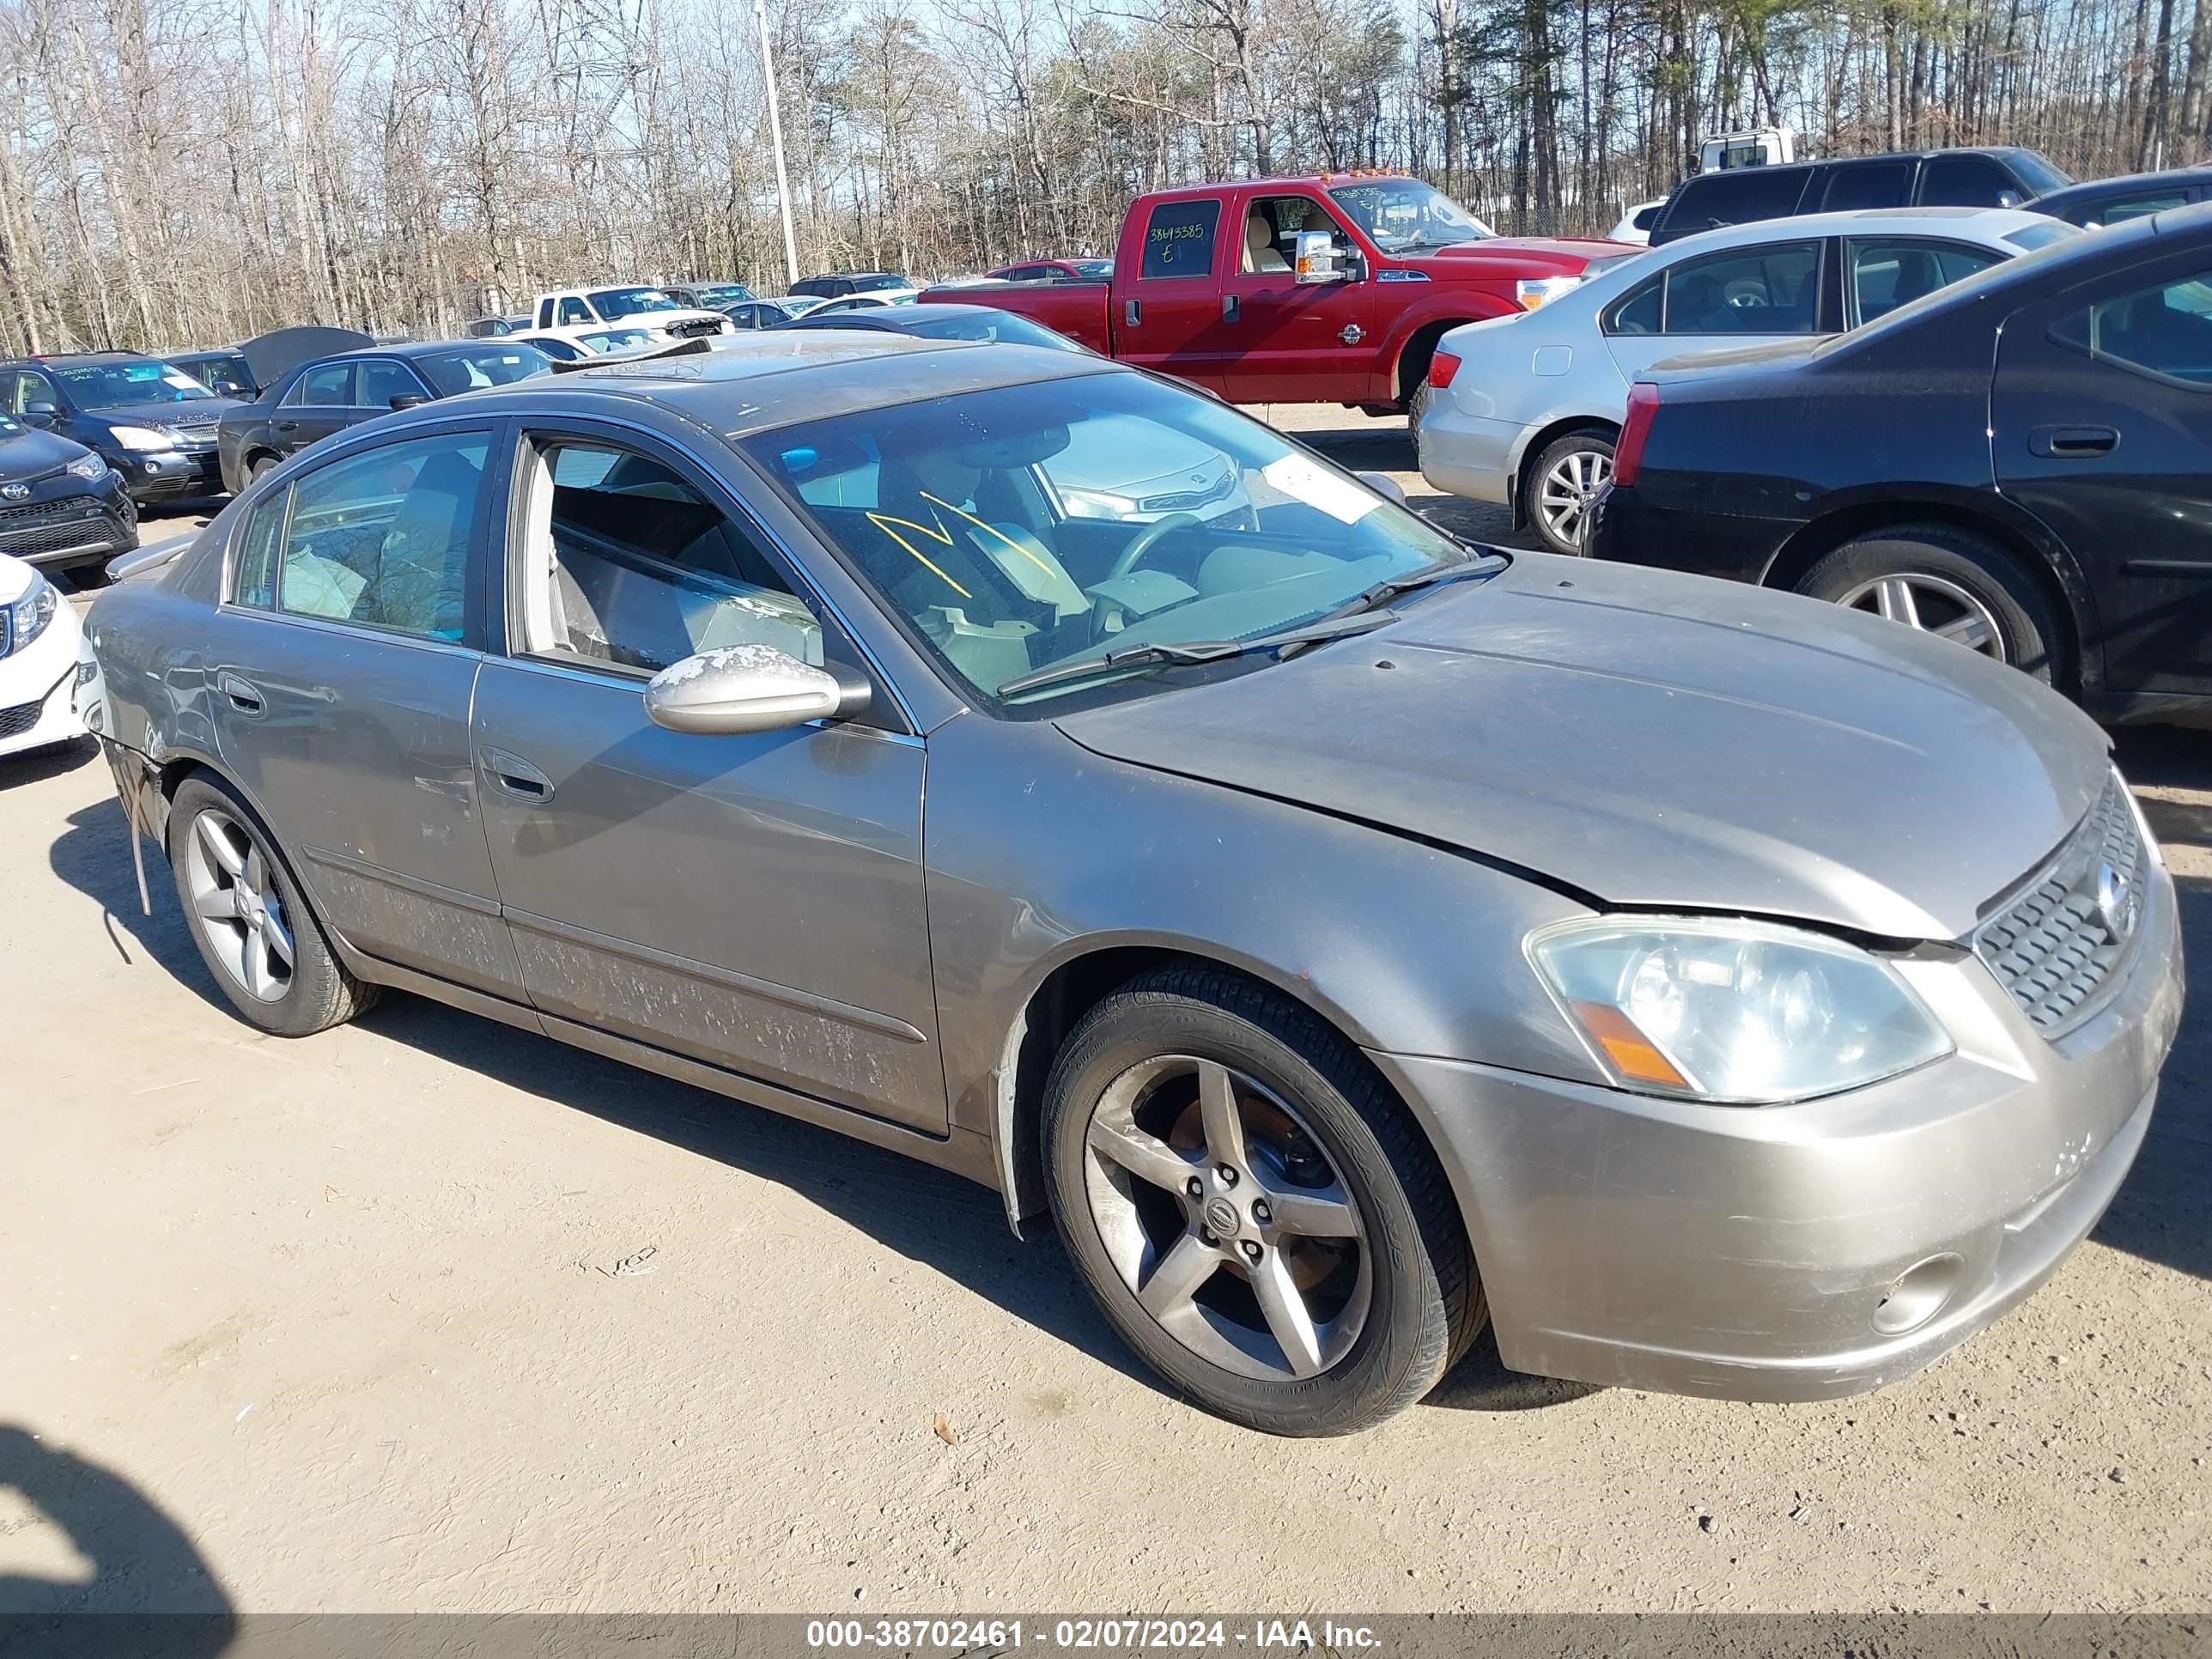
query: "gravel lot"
425, 1313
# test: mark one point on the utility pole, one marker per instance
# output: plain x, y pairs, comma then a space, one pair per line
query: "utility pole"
775, 133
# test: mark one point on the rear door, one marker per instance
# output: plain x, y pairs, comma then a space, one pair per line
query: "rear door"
751, 901
1169, 316
1742, 297
2101, 425
341, 666
1289, 344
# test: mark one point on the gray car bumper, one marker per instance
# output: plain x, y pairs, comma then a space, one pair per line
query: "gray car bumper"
1762, 1254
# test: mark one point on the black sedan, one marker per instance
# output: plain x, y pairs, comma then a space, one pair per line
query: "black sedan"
945, 322
61, 505
332, 393
148, 419
2136, 195
2021, 463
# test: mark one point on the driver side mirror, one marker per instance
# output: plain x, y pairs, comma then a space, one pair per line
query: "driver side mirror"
409, 400
1317, 259
741, 689
1383, 485
40, 413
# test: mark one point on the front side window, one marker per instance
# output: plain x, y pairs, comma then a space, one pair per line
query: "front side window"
1037, 526
1881, 274
1406, 216
1271, 224
2164, 332
1967, 181
382, 379
574, 312
322, 387
471, 368
1767, 290
626, 565
382, 538
1179, 239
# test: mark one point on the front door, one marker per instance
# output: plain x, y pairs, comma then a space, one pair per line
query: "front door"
1293, 344
363, 573
752, 901
1168, 317
2100, 424
318, 404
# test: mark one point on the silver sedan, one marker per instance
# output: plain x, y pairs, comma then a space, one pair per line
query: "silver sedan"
1345, 938
1524, 409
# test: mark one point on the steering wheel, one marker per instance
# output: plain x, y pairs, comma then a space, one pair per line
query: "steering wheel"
1148, 538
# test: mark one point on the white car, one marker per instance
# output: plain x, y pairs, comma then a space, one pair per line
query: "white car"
630, 302
570, 345
39, 636
1523, 409
1636, 223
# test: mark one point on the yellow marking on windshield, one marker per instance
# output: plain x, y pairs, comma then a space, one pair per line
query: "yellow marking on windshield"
991, 530
884, 521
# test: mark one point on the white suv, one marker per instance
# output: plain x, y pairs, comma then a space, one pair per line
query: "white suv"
638, 306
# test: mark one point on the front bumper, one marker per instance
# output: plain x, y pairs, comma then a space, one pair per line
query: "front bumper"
152, 475
1763, 1253
96, 524
1465, 455
36, 682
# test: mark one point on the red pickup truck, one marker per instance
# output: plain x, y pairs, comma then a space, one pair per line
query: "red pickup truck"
1329, 289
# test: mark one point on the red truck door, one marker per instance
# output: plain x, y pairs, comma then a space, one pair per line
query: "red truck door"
1292, 344
1166, 298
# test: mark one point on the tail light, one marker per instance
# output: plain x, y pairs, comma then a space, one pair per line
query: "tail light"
1628, 448
1442, 367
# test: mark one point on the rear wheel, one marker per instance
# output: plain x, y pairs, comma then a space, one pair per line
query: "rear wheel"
1952, 583
1417, 410
1563, 484
1252, 1210
254, 932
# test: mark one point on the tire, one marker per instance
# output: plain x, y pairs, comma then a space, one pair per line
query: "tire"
1387, 1304
1961, 585
259, 468
1562, 482
313, 991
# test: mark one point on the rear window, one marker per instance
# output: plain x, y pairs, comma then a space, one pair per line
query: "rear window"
1179, 239
2119, 212
1737, 197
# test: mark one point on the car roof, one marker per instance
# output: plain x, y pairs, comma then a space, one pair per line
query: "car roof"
2198, 173
780, 377
1986, 225
83, 357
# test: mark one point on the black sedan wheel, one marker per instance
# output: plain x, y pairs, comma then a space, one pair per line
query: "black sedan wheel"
1951, 583
1252, 1209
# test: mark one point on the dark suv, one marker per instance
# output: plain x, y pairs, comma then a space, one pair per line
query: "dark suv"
1942, 178
148, 419
849, 283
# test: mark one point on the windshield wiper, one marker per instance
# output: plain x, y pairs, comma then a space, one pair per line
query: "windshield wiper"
1428, 576
1164, 654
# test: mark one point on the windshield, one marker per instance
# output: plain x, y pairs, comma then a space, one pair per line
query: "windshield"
1096, 271
613, 302
2042, 233
1038, 524
2038, 172
1404, 215
983, 323
230, 369
717, 295
470, 368
135, 380
881, 280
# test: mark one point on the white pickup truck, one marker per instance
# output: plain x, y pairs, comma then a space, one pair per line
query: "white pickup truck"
636, 305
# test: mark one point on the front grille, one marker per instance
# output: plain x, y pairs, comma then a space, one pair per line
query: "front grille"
2055, 944
61, 526
697, 326
14, 722
1184, 500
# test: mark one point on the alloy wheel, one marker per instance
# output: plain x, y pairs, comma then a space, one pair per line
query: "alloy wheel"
1933, 604
1564, 494
1226, 1219
236, 905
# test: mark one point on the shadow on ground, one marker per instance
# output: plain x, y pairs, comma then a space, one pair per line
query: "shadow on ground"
141, 1562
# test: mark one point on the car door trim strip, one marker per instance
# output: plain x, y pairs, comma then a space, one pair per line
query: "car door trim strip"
415, 884
807, 1001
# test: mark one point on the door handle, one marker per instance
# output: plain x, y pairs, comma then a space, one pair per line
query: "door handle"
511, 775
1229, 306
243, 696
1133, 313
2073, 443
288, 426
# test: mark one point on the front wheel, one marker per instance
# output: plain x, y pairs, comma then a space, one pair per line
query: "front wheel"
1563, 484
1252, 1209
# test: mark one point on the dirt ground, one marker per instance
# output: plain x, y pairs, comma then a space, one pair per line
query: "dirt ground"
428, 1314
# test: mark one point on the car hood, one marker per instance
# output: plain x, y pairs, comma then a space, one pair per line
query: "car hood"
32, 453
1513, 256
1648, 739
200, 411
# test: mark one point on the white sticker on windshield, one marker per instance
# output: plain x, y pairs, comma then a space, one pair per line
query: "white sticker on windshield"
1302, 481
182, 381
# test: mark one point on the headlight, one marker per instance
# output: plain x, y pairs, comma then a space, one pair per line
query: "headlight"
1097, 502
1533, 291
27, 616
142, 437
88, 466
1739, 1012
